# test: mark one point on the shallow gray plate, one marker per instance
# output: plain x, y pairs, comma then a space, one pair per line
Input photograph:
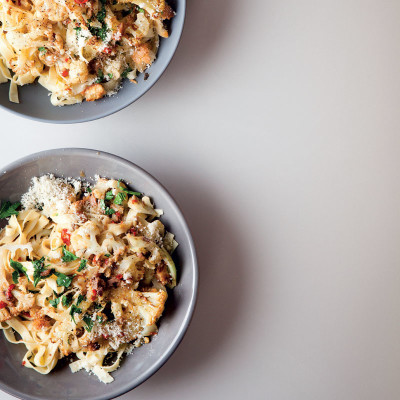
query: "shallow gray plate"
35, 102
144, 361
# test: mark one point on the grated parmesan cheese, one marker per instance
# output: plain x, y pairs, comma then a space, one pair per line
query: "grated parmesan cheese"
115, 333
51, 194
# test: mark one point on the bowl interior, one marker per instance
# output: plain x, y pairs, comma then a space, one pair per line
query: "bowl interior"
35, 101
144, 361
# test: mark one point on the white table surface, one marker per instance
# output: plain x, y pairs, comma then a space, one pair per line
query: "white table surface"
276, 127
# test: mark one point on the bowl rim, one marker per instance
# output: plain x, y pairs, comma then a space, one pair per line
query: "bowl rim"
120, 107
120, 390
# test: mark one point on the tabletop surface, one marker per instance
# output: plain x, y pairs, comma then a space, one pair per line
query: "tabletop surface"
276, 128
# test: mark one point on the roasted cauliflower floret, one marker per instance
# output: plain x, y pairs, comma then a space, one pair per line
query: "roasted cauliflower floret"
94, 92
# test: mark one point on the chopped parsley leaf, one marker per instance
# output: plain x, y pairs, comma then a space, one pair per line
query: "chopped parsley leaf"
89, 323
80, 299
82, 265
67, 255
63, 280
78, 30
42, 50
126, 72
128, 191
100, 76
119, 198
66, 300
139, 9
38, 268
18, 268
7, 209
107, 210
55, 302
101, 33
110, 76
109, 195
15, 276
74, 310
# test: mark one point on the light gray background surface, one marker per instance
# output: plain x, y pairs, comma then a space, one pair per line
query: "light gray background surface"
276, 128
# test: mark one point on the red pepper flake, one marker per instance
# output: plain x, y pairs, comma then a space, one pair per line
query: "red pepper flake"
133, 231
2, 304
23, 362
65, 73
66, 237
81, 1
9, 295
26, 314
67, 59
94, 294
107, 50
105, 336
134, 199
119, 276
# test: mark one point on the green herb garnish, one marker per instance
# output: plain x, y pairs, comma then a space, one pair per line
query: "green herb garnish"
109, 195
101, 33
67, 255
100, 76
119, 198
82, 265
15, 276
141, 10
74, 310
128, 191
126, 72
42, 50
19, 268
89, 190
77, 31
55, 302
101, 15
63, 280
39, 268
107, 255
66, 300
80, 299
107, 210
89, 323
7, 209
110, 76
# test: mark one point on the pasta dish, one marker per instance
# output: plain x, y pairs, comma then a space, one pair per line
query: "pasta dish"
78, 49
84, 271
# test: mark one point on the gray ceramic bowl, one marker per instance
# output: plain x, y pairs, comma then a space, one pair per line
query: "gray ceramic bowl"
144, 361
35, 102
